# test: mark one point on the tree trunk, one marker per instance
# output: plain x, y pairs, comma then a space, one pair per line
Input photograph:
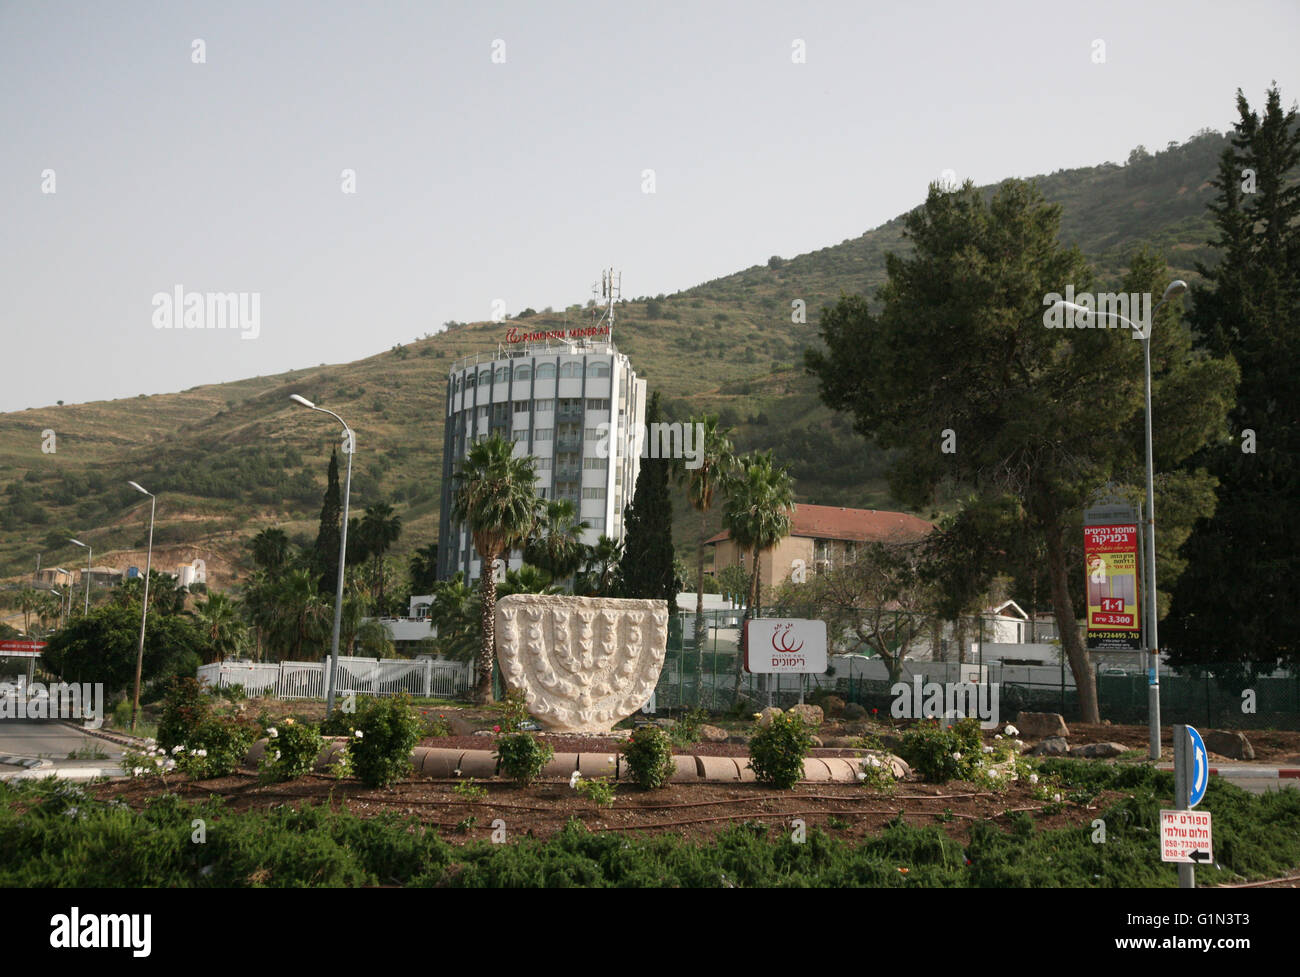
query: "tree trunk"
1085, 680
487, 653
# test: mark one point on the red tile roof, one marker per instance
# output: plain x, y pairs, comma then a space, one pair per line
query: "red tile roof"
860, 525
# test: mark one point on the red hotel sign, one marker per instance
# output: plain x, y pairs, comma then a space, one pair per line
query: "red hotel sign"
513, 335
21, 649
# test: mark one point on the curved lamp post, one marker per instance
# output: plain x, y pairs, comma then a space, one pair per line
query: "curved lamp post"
349, 446
1176, 287
144, 604
90, 553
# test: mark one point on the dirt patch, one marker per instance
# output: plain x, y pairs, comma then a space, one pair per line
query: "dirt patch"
693, 811
1278, 747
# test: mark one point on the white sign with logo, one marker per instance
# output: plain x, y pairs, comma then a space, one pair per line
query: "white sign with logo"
778, 646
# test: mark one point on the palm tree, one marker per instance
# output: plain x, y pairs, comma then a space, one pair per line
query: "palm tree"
379, 530
303, 615
270, 549
424, 568
218, 619
717, 458
454, 612
48, 608
601, 571
556, 542
495, 498
29, 600
760, 503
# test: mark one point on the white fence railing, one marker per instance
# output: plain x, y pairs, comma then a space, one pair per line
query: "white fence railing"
362, 676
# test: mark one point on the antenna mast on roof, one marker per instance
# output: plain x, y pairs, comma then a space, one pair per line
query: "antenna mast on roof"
611, 288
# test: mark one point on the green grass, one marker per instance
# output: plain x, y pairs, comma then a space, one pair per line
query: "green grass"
55, 835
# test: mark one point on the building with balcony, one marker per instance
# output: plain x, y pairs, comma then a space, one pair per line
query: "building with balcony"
573, 405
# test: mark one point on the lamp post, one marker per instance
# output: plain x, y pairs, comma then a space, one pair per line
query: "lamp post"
349, 446
144, 603
68, 613
1176, 287
90, 553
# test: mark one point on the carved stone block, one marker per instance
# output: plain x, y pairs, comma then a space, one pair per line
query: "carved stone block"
583, 663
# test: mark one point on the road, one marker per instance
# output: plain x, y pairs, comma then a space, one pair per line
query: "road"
50, 740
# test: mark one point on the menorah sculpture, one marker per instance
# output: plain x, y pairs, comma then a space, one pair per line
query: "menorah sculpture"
583, 663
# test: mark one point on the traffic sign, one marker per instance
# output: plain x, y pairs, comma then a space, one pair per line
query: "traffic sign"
1185, 837
1200, 768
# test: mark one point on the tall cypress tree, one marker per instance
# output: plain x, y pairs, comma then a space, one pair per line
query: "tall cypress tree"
647, 564
1239, 599
327, 537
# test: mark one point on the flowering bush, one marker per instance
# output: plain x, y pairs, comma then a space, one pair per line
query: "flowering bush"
514, 710
383, 735
940, 754
777, 751
185, 708
438, 726
649, 755
291, 752
522, 756
149, 761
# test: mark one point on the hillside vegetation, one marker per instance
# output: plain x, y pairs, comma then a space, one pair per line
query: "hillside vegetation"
228, 460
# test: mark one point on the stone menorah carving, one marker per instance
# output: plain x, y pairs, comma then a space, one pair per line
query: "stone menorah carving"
584, 663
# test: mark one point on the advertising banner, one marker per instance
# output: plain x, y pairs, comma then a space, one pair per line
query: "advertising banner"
1110, 553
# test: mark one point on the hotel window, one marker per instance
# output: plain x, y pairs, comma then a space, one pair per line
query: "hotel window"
594, 493
595, 463
521, 407
484, 377
520, 435
570, 370
542, 464
483, 413
598, 368
546, 371
503, 374
543, 405
595, 434
469, 380
544, 434
599, 403
523, 371
596, 524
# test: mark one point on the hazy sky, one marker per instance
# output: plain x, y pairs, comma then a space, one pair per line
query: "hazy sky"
514, 171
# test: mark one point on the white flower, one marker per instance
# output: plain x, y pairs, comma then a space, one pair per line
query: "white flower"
574, 778
997, 736
358, 734
272, 732
988, 749
994, 772
137, 771
1019, 744
956, 756
177, 749
1056, 797
1011, 730
200, 752
1033, 778
861, 775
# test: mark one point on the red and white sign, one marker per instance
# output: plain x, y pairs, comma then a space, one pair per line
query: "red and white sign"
515, 335
1185, 837
776, 645
1111, 557
21, 649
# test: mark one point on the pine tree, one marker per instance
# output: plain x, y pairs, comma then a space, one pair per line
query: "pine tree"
326, 558
1239, 600
647, 565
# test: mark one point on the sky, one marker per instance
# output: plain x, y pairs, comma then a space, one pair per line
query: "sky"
502, 154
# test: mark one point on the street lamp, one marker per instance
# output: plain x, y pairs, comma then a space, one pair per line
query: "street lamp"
144, 603
89, 555
349, 446
1176, 287
66, 573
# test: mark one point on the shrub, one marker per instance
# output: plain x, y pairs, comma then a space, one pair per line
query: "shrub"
185, 709
438, 727
122, 714
598, 790
939, 754
514, 710
385, 733
649, 755
215, 748
291, 752
338, 723
686, 731
522, 756
853, 712
470, 791
777, 751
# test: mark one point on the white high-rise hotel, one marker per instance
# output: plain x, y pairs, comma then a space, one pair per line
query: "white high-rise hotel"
566, 397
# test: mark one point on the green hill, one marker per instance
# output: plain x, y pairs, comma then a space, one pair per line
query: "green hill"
230, 459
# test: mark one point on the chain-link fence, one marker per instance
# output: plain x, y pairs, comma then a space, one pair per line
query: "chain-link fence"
710, 675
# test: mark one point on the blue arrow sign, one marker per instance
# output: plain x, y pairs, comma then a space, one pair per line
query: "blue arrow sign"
1200, 768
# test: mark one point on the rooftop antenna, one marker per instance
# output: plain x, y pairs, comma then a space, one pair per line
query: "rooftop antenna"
611, 287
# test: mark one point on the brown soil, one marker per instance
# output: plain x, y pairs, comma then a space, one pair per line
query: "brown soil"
694, 811
1272, 747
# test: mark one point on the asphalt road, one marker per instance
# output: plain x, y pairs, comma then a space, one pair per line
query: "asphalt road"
49, 740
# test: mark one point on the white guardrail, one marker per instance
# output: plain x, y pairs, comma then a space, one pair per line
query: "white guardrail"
362, 676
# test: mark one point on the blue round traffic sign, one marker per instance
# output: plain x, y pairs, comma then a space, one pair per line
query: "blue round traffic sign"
1200, 768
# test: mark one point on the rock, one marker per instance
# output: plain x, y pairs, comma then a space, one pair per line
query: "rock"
713, 734
767, 715
1040, 725
1094, 751
665, 723
832, 705
1052, 746
1229, 743
852, 712
811, 715
1106, 722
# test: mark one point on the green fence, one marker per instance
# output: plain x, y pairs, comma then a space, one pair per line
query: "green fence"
707, 678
